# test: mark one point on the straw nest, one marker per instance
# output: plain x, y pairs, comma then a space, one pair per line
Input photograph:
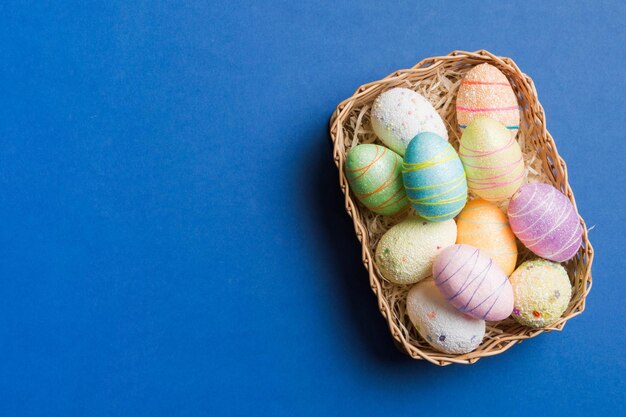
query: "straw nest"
437, 79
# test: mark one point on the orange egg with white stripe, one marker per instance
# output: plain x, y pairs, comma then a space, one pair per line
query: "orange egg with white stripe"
486, 92
483, 225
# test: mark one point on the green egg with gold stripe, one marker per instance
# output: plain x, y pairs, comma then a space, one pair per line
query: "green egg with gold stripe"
434, 177
375, 176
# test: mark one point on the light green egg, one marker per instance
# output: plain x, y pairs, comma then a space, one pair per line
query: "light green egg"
375, 176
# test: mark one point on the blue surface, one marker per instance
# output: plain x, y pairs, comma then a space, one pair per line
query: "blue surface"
173, 237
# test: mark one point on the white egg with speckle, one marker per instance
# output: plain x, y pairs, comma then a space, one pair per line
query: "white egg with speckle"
399, 114
444, 327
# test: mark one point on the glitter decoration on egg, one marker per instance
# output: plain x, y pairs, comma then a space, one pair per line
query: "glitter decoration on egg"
492, 159
439, 323
486, 92
375, 177
545, 221
434, 178
542, 291
485, 226
399, 114
473, 283
405, 253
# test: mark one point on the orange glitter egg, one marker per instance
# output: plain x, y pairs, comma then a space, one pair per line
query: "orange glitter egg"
483, 225
486, 92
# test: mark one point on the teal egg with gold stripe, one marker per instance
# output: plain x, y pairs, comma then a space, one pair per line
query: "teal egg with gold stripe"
375, 177
434, 178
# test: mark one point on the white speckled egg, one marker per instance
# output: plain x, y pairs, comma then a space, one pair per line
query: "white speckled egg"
444, 327
399, 114
406, 252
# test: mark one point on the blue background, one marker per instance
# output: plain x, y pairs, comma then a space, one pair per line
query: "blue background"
173, 237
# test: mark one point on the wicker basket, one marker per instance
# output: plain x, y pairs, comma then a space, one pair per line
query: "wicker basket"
351, 117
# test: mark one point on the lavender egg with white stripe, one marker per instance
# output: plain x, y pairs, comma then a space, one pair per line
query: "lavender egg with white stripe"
545, 221
473, 283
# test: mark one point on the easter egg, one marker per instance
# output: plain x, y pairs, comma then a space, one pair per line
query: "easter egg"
486, 92
399, 114
375, 176
434, 178
542, 291
405, 253
545, 221
483, 225
439, 323
472, 282
492, 159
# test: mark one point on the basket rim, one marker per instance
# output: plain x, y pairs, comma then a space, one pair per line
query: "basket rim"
344, 108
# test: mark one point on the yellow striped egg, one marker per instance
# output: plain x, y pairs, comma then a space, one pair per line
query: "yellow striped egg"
483, 225
486, 92
492, 159
375, 176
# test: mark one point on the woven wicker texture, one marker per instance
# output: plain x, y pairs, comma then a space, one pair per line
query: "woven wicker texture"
438, 79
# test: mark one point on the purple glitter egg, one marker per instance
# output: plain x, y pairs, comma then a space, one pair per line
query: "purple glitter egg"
545, 221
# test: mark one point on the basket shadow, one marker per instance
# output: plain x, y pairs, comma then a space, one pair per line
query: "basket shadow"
348, 283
